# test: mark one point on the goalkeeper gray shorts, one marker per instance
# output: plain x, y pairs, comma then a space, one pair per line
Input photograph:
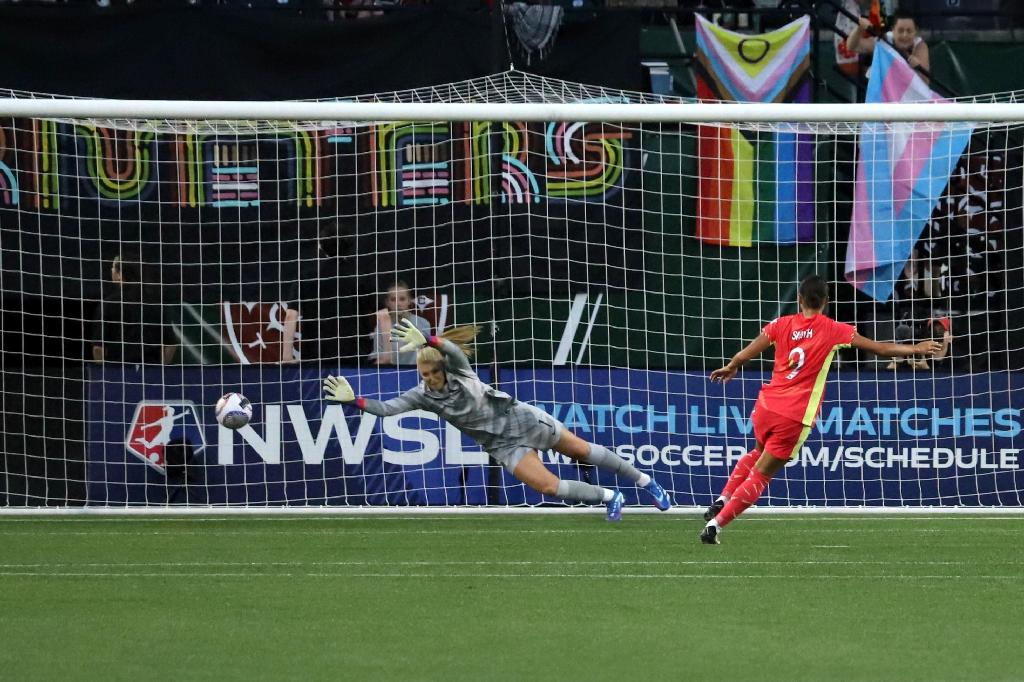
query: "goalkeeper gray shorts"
529, 428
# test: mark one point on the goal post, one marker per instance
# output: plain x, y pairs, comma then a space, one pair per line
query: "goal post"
614, 248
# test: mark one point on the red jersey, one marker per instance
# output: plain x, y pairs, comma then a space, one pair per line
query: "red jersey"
804, 348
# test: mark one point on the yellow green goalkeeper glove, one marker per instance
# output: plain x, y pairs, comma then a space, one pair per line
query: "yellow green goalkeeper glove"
338, 389
407, 332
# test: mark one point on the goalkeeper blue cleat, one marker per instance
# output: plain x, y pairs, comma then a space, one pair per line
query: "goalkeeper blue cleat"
615, 507
661, 498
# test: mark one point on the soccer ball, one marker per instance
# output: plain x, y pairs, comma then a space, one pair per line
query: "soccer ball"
233, 410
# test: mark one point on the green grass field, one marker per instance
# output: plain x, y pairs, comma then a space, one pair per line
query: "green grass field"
512, 597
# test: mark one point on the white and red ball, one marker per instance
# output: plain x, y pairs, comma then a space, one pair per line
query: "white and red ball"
233, 411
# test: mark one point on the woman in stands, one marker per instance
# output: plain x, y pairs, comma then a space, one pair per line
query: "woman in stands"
903, 37
398, 307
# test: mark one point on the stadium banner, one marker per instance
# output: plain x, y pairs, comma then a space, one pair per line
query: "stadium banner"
947, 440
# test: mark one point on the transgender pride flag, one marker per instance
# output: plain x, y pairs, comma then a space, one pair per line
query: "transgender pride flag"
902, 171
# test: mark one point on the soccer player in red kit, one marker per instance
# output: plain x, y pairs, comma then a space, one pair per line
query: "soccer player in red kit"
786, 408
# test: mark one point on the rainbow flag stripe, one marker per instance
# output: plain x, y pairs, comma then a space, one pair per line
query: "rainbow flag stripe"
754, 186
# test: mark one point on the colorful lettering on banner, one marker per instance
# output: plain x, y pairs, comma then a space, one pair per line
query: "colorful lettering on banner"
225, 171
410, 164
407, 164
307, 167
476, 162
235, 175
45, 164
190, 170
585, 161
9, 194
118, 164
341, 136
518, 183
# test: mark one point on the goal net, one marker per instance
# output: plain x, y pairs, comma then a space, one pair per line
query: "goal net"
152, 263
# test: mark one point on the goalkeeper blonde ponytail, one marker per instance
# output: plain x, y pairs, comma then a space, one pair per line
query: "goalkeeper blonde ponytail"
461, 336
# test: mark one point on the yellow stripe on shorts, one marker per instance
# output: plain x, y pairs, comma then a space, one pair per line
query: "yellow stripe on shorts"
804, 433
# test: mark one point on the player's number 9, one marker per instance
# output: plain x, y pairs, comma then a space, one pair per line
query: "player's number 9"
797, 358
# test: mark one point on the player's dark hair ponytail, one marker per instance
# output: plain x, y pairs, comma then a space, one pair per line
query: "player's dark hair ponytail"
814, 292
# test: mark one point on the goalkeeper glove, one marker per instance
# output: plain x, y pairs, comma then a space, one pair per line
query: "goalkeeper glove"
406, 331
338, 389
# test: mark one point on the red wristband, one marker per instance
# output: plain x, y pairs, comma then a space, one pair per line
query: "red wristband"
434, 341
361, 403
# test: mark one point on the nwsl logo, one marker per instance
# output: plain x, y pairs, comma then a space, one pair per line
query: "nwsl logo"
158, 424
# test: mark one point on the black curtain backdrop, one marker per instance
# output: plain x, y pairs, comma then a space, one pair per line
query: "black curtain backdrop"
239, 54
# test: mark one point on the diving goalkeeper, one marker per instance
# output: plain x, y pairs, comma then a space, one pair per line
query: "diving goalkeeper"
786, 408
512, 432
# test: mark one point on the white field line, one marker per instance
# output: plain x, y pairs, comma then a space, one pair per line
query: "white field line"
738, 562
599, 527
531, 576
983, 530
224, 516
511, 512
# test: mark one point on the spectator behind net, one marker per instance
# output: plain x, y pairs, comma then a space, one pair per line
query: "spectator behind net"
937, 329
130, 324
903, 37
398, 306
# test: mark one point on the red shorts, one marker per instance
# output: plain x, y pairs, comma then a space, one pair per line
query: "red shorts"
782, 437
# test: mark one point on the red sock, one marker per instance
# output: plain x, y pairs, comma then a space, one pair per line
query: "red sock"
745, 496
740, 472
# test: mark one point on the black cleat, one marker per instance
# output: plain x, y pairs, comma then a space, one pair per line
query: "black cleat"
713, 510
709, 536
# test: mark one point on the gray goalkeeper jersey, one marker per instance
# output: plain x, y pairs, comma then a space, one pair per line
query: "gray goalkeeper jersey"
478, 410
